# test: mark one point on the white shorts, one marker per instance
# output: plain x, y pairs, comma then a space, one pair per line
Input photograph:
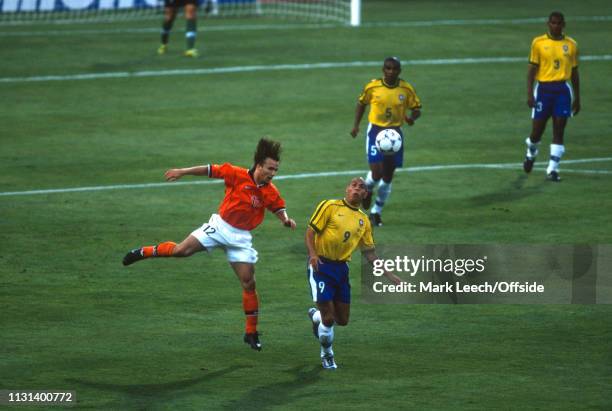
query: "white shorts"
236, 243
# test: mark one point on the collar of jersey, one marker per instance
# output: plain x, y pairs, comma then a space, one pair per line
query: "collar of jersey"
554, 39
251, 174
382, 80
348, 205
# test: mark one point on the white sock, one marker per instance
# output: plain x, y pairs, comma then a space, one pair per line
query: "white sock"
384, 189
532, 149
370, 182
316, 317
556, 152
326, 338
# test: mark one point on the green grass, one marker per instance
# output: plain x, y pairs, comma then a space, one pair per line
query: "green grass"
166, 334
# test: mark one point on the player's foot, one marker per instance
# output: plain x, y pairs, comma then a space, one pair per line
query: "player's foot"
315, 325
133, 256
191, 53
328, 362
162, 49
528, 164
253, 340
367, 200
376, 220
553, 176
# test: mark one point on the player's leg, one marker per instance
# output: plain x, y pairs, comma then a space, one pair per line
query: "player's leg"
375, 159
540, 113
389, 164
323, 291
250, 302
187, 247
557, 149
342, 312
326, 333
169, 16
562, 110
191, 28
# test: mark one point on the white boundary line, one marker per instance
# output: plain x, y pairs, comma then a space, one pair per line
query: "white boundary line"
306, 26
503, 166
274, 67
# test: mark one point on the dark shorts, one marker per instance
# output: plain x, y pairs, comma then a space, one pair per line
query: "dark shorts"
330, 282
179, 3
552, 99
373, 153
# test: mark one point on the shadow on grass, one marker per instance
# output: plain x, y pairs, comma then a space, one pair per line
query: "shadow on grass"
146, 396
279, 394
516, 190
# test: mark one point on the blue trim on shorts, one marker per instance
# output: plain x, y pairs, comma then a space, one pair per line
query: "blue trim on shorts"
373, 154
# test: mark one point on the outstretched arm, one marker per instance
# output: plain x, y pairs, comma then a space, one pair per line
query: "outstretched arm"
371, 256
175, 173
359, 110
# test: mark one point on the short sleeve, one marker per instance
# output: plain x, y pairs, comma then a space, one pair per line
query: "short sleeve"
366, 96
225, 171
367, 240
274, 201
319, 218
534, 56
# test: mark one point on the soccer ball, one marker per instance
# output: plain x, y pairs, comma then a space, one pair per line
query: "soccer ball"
389, 141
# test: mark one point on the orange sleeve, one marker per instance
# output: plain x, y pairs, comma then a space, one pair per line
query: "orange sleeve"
274, 201
226, 171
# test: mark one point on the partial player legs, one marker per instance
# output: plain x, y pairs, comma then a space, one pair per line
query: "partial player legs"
191, 30
187, 247
533, 142
250, 302
323, 320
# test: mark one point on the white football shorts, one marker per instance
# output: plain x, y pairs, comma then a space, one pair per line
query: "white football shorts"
236, 243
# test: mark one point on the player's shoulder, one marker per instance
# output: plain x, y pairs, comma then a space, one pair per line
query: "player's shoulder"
571, 40
406, 85
374, 83
540, 39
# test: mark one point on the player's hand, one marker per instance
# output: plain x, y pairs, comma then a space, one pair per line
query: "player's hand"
314, 261
409, 120
530, 102
173, 174
290, 223
354, 132
393, 278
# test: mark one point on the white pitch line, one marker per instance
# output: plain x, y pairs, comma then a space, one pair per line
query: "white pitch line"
502, 166
274, 67
305, 26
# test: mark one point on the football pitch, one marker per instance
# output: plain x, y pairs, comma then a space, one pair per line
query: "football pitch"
92, 117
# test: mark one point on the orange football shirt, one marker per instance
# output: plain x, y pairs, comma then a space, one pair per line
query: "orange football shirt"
245, 201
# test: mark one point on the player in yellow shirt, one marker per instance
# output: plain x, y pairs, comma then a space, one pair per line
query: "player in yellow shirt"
335, 230
553, 61
388, 97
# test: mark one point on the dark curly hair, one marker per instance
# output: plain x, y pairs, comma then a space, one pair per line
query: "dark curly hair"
267, 149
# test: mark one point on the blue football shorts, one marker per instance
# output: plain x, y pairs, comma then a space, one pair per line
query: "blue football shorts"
373, 153
552, 99
330, 282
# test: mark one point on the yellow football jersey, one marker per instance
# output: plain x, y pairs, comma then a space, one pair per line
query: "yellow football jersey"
339, 229
555, 58
388, 104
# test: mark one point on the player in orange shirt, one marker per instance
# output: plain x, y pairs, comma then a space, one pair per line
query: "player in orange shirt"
248, 193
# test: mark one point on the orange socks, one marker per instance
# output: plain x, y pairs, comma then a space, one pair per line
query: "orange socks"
251, 307
161, 250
